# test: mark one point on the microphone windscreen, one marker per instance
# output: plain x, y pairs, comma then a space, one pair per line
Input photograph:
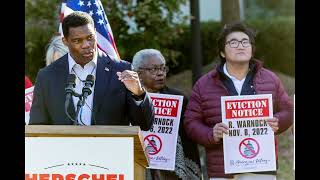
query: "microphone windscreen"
90, 78
72, 79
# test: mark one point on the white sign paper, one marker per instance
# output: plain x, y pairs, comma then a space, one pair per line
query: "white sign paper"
79, 158
161, 140
249, 145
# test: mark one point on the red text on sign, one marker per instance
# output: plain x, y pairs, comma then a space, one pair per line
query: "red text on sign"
165, 107
247, 108
74, 177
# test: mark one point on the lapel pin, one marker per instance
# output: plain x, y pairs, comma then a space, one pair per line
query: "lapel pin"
106, 69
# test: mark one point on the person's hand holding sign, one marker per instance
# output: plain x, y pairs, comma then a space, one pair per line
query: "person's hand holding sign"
274, 124
218, 131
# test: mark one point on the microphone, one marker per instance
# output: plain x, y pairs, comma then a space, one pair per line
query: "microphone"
86, 91
71, 83
88, 83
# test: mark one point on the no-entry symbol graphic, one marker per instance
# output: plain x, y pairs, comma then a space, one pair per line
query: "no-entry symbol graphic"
153, 144
249, 148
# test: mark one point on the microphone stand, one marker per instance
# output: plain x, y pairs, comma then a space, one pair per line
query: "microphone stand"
73, 93
86, 91
79, 106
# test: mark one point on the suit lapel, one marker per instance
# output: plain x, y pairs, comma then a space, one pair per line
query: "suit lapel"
103, 76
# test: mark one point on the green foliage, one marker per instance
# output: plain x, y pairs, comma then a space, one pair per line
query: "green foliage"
35, 44
285, 159
275, 43
40, 26
182, 45
268, 9
153, 25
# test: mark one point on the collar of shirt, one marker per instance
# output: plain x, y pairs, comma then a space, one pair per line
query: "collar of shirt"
237, 83
73, 63
231, 77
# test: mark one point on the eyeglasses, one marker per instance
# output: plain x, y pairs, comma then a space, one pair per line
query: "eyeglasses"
235, 43
154, 70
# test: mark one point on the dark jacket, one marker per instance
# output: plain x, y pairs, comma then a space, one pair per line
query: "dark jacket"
204, 111
113, 104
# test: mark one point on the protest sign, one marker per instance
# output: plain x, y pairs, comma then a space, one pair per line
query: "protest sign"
249, 145
28, 102
161, 140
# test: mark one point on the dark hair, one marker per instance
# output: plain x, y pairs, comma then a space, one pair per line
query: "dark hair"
75, 19
235, 27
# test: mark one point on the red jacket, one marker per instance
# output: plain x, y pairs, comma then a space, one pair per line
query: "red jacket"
204, 111
27, 82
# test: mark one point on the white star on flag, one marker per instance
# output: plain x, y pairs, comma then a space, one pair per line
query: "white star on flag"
96, 3
99, 12
100, 21
89, 4
81, 3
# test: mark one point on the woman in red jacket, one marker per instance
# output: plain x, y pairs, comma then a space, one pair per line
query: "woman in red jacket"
237, 74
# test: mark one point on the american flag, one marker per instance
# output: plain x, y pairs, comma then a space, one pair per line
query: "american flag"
93, 7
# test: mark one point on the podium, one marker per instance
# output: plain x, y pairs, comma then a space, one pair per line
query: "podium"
67, 132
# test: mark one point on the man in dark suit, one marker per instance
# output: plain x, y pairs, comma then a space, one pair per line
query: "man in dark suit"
117, 97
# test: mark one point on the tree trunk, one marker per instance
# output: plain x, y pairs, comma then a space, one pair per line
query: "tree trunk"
230, 11
195, 41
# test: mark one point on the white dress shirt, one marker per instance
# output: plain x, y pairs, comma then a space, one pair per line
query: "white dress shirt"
82, 73
237, 83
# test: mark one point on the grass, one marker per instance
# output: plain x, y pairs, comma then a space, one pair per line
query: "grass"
285, 171
182, 81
